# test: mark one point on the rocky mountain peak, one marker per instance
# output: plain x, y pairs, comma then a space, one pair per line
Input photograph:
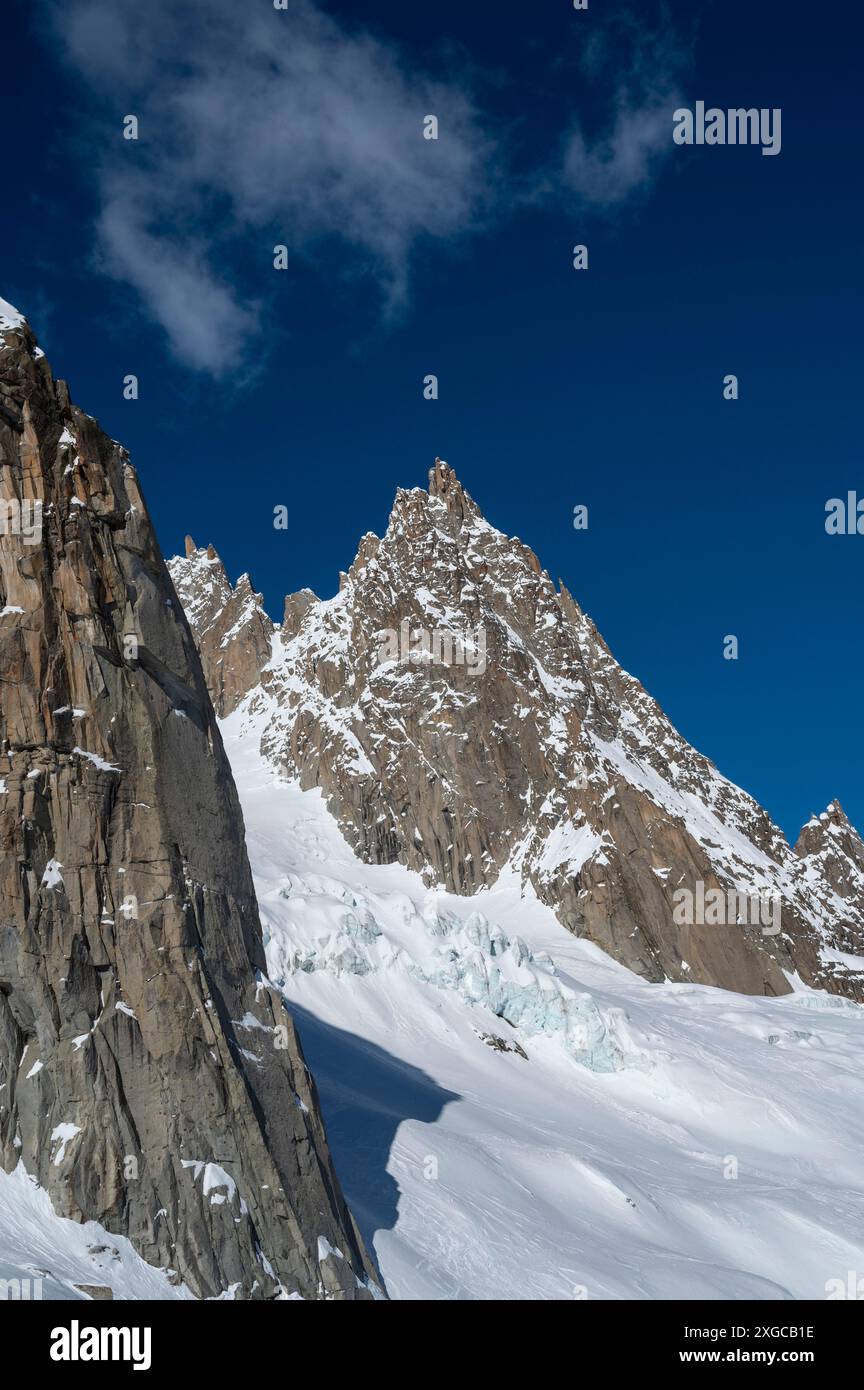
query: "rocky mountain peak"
830, 824
446, 504
466, 718
835, 814
150, 1076
18, 341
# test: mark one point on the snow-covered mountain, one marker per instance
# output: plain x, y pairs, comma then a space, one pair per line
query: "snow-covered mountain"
515, 1112
465, 718
468, 831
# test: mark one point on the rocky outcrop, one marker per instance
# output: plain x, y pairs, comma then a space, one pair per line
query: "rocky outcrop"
150, 1077
464, 716
830, 841
832, 856
232, 631
296, 607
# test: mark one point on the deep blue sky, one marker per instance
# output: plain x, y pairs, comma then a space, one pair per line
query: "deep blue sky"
557, 388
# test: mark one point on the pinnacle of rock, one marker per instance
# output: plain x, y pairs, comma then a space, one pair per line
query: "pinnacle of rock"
442, 479
446, 487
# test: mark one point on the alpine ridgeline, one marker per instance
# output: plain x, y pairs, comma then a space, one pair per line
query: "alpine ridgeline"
464, 717
150, 1076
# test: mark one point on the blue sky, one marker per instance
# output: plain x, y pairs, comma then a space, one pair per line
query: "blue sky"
406, 257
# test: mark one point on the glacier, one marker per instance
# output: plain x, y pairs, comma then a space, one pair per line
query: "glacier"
643, 1140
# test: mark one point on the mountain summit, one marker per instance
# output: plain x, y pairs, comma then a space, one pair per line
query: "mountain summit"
465, 717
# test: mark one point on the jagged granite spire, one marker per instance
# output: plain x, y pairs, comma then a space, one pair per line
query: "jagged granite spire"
444, 485
150, 1077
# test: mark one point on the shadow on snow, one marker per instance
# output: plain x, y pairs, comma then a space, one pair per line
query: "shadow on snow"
365, 1095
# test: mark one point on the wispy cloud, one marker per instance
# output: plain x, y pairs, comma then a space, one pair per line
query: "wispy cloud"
261, 126
642, 67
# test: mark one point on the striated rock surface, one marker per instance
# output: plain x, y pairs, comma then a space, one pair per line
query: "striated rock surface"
150, 1077
464, 717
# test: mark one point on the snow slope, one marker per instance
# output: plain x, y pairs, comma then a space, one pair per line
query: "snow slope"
656, 1141
54, 1255
10, 316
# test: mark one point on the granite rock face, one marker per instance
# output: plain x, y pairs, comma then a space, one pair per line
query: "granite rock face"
150, 1076
465, 717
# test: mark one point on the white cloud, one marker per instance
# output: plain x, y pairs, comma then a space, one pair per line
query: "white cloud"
257, 127
625, 161
206, 325
260, 127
